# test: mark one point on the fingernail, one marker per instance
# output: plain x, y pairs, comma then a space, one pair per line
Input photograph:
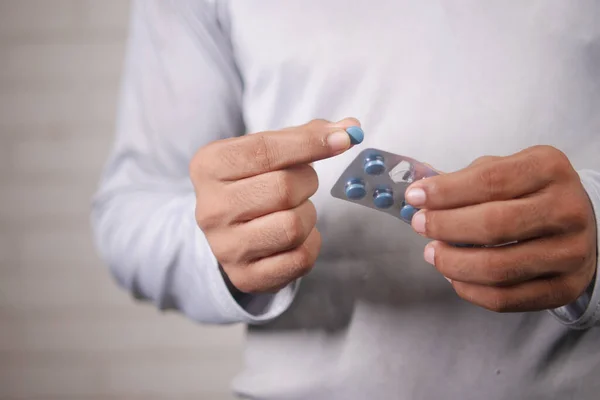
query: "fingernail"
356, 134
430, 254
415, 197
338, 141
418, 222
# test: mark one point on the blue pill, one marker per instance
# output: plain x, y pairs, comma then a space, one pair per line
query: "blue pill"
374, 165
356, 134
355, 190
407, 212
383, 198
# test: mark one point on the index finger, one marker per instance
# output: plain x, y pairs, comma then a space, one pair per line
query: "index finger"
263, 152
497, 179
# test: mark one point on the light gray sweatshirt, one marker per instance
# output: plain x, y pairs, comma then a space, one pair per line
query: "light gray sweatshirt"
440, 81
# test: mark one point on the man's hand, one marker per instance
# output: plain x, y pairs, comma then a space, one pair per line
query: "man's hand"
533, 198
252, 201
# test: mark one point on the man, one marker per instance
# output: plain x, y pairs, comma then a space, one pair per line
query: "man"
232, 130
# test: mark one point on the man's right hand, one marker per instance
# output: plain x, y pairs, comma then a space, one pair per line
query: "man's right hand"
252, 201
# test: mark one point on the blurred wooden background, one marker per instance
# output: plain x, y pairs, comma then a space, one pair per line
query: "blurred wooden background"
66, 330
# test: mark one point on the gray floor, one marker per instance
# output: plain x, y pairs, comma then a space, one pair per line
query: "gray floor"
66, 331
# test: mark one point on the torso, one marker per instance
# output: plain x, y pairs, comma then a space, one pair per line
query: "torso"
444, 82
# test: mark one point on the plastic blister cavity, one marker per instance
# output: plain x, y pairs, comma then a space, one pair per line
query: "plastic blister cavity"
378, 180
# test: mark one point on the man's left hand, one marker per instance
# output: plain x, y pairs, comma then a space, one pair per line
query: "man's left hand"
532, 204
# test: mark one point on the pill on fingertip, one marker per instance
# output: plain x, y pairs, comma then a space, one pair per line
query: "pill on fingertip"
383, 198
356, 134
374, 165
355, 189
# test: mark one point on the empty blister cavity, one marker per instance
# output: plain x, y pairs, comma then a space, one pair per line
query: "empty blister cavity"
383, 197
355, 189
374, 164
403, 173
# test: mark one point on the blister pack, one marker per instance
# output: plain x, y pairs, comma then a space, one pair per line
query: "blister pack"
378, 180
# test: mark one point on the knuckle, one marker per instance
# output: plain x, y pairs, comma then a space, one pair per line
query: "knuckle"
315, 245
453, 268
498, 302
487, 227
557, 157
346, 122
237, 254
463, 293
284, 187
206, 220
443, 263
493, 180
577, 215
200, 162
311, 214
209, 216
243, 283
556, 162
313, 183
237, 277
492, 299
523, 214
317, 124
493, 272
312, 179
577, 253
431, 223
500, 275
293, 229
301, 262
483, 160
478, 161
497, 276
543, 150
562, 291
313, 137
493, 232
352, 121
221, 250
226, 251
500, 222
263, 152
530, 164
312, 245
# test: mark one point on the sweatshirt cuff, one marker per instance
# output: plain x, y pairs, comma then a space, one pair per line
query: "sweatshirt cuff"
253, 309
249, 309
584, 313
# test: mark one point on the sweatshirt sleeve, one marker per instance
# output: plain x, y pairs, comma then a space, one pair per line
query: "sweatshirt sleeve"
180, 90
585, 312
